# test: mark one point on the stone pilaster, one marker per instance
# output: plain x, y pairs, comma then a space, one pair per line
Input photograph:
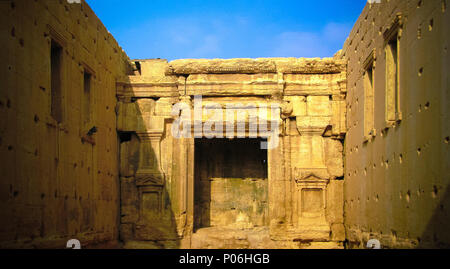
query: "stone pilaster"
149, 169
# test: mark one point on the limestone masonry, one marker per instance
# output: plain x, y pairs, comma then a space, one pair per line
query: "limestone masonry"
123, 153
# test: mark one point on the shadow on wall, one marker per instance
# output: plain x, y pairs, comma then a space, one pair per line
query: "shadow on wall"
147, 219
437, 234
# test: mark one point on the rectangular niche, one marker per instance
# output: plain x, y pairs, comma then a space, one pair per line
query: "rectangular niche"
151, 204
231, 185
312, 202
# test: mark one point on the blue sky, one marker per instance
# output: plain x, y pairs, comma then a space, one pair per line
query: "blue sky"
177, 29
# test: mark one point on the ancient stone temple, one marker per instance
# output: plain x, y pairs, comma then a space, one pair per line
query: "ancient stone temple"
221, 188
224, 153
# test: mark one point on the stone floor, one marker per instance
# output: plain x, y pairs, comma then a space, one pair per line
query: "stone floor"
255, 238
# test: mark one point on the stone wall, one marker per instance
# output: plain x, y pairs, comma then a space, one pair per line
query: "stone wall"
397, 145
57, 182
375, 114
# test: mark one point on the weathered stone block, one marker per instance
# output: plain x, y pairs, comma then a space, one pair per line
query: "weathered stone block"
127, 119
337, 232
318, 106
129, 201
154, 67
126, 232
309, 124
335, 201
334, 157
129, 152
298, 104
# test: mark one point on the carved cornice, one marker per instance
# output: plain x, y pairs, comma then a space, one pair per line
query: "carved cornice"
57, 36
394, 28
370, 60
310, 65
221, 66
311, 175
255, 66
266, 76
150, 179
309, 125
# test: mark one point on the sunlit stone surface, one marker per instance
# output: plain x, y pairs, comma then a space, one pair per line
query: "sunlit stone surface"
123, 153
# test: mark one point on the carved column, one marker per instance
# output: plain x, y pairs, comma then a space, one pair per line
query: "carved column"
150, 182
311, 178
183, 162
276, 163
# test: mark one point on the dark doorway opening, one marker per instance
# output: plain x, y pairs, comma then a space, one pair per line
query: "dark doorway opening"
231, 185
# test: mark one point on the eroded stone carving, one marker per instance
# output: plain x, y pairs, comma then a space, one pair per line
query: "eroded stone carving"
193, 198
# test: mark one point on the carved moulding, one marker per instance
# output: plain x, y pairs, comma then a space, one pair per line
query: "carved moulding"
311, 182
149, 170
306, 175
256, 66
307, 125
311, 202
309, 210
153, 221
